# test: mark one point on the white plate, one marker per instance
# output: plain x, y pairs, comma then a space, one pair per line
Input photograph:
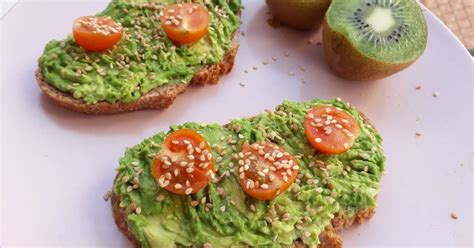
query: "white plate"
56, 164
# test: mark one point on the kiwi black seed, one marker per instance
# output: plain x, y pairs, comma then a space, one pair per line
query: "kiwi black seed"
372, 39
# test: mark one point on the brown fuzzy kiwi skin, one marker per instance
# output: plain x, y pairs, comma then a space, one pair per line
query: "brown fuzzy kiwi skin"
348, 63
299, 17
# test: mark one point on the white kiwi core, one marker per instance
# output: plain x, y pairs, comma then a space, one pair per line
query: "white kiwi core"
381, 19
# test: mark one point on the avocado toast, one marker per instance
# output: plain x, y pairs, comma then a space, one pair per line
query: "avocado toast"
307, 196
145, 69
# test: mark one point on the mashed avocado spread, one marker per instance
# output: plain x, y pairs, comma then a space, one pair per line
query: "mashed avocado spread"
225, 217
144, 59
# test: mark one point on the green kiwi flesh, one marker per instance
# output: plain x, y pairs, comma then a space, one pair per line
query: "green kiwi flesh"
372, 39
299, 14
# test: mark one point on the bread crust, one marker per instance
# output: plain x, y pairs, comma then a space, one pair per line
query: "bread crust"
328, 239
159, 98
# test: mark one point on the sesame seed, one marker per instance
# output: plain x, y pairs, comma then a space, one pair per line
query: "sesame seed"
138, 210
436, 94
178, 186
125, 179
419, 133
264, 186
318, 140
306, 234
418, 87
291, 73
272, 177
194, 203
454, 216
107, 196
188, 191
220, 191
222, 208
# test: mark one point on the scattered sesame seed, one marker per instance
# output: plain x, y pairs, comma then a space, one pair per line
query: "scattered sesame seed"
436, 94
242, 84
220, 191
252, 208
188, 191
138, 210
454, 216
160, 197
178, 186
318, 140
107, 196
419, 133
291, 73
254, 67
418, 87
222, 208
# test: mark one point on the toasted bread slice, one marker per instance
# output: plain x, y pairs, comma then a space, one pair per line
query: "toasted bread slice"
159, 98
328, 238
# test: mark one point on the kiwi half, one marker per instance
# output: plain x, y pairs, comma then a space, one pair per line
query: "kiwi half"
372, 39
299, 14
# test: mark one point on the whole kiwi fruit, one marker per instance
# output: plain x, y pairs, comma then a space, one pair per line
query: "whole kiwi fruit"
373, 39
299, 14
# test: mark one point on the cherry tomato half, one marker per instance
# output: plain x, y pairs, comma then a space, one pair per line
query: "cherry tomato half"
330, 130
185, 23
266, 170
185, 163
96, 34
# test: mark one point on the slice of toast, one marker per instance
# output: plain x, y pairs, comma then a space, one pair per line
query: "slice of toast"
329, 238
159, 98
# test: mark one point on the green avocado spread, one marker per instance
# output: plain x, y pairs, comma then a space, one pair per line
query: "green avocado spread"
326, 186
144, 59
